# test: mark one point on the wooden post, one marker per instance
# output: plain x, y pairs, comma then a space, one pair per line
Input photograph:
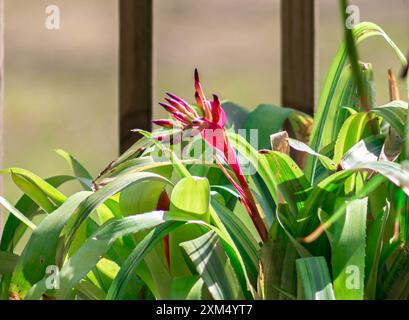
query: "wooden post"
299, 58
136, 70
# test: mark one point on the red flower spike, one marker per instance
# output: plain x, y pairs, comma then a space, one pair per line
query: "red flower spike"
180, 107
212, 129
200, 97
200, 103
176, 105
197, 122
168, 108
179, 116
231, 179
218, 114
183, 103
237, 187
165, 123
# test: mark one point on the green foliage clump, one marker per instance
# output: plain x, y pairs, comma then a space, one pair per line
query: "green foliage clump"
159, 223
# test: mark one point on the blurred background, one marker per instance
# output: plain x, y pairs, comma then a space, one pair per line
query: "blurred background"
61, 86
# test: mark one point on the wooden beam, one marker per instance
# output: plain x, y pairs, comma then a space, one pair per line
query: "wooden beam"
299, 55
136, 70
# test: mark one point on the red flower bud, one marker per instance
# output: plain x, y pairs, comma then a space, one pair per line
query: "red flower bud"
165, 123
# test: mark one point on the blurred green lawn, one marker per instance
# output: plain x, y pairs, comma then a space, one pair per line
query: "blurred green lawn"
61, 86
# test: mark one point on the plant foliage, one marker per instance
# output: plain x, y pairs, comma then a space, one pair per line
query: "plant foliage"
236, 220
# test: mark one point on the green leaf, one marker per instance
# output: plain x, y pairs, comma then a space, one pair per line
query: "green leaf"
214, 267
88, 291
174, 159
314, 279
90, 253
8, 262
288, 178
263, 196
329, 102
228, 189
135, 165
243, 238
267, 119
188, 288
302, 147
103, 194
289, 225
151, 240
276, 269
379, 209
276, 170
54, 194
236, 115
366, 150
192, 195
133, 152
141, 197
138, 254
406, 131
355, 128
403, 215
13, 229
345, 96
394, 113
191, 198
395, 173
353, 54
117, 228
259, 163
41, 249
78, 169
348, 239
36, 194
20, 216
395, 285
105, 272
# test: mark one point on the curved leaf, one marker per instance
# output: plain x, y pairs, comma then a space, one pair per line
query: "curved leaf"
90, 253
314, 278
395, 113
267, 119
348, 240
8, 262
213, 265
20, 216
83, 176
13, 228
99, 197
326, 106
356, 127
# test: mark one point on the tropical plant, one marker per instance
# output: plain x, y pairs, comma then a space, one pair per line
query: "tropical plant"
197, 210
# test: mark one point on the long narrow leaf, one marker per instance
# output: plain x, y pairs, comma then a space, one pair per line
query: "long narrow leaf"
348, 240
213, 265
99, 197
361, 32
314, 279
82, 174
90, 253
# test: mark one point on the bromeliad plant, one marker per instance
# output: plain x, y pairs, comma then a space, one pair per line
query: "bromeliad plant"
211, 124
161, 223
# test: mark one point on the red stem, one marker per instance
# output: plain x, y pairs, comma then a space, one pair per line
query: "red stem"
163, 205
249, 201
253, 210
